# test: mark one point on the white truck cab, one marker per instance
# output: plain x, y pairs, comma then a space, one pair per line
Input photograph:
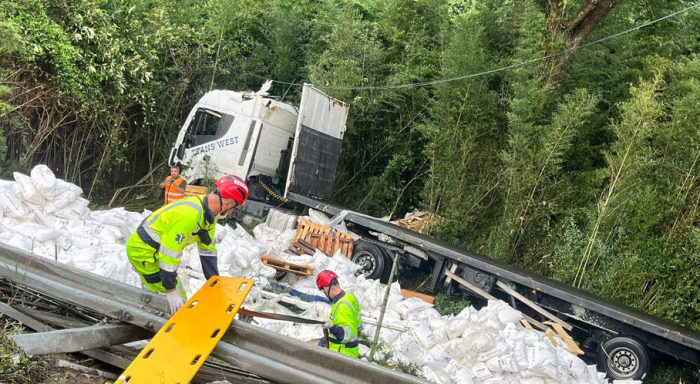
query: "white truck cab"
261, 139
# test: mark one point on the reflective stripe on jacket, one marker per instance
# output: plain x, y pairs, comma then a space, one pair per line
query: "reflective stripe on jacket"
172, 194
347, 315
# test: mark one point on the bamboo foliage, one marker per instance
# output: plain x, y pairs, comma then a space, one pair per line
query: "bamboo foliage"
629, 156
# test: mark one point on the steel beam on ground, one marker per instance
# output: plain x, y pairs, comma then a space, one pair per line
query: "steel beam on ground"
53, 319
7, 310
79, 339
271, 356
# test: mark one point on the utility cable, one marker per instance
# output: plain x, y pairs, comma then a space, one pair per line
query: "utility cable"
517, 65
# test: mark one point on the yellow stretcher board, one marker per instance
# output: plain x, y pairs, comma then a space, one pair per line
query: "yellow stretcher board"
180, 348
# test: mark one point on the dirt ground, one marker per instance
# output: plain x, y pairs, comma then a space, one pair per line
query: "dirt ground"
65, 375
60, 375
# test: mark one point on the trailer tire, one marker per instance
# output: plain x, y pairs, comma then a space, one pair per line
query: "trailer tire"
624, 358
370, 258
388, 263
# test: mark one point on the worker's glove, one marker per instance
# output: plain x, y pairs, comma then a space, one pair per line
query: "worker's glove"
327, 325
175, 300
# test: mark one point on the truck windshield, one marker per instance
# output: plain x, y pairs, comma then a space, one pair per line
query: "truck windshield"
206, 125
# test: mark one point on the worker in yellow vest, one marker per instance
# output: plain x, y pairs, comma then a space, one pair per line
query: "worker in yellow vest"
345, 320
156, 246
174, 186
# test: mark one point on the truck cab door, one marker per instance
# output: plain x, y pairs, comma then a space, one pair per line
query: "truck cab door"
197, 146
317, 143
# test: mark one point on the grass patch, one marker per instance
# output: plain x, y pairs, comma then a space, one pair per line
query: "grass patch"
451, 304
16, 367
416, 279
671, 372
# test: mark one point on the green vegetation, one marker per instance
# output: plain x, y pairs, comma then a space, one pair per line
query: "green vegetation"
15, 366
582, 167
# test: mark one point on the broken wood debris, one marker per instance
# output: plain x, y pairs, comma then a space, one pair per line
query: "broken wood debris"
418, 221
532, 305
561, 334
301, 247
284, 266
558, 333
319, 236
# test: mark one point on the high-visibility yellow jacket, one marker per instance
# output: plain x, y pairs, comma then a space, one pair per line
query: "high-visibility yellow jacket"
172, 194
346, 315
164, 234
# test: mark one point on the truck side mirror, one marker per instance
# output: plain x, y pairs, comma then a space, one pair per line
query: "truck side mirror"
181, 151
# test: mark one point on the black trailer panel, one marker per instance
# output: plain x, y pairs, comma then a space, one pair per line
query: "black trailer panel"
316, 163
576, 299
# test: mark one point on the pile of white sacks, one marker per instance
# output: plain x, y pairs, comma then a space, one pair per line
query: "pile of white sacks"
47, 216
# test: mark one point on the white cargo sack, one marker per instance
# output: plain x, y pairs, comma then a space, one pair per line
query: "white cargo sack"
27, 189
504, 363
11, 205
74, 211
460, 374
66, 193
36, 232
575, 366
542, 359
45, 181
482, 371
410, 305
424, 335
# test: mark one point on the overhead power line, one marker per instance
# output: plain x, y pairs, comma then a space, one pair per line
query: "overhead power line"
513, 66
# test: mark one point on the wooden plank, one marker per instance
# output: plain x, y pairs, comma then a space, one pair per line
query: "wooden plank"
332, 245
487, 295
407, 294
453, 269
282, 265
313, 240
304, 243
195, 190
304, 230
532, 305
571, 345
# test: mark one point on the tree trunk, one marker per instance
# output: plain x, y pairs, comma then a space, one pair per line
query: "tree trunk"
576, 30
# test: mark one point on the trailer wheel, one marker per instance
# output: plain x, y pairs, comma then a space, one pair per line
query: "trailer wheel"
624, 358
370, 258
388, 263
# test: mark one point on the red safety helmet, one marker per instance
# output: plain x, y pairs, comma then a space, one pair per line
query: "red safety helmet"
232, 187
325, 278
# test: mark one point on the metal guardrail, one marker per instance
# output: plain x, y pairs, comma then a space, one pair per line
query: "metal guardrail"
244, 346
